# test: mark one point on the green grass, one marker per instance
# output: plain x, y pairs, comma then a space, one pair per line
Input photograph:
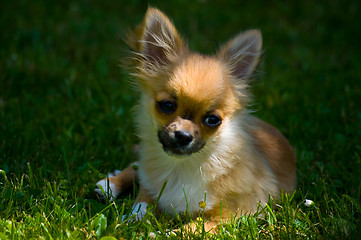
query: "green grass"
65, 113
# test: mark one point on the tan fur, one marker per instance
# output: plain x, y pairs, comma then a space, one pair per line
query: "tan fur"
278, 152
124, 179
240, 161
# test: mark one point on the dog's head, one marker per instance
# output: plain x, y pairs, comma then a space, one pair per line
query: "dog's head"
190, 96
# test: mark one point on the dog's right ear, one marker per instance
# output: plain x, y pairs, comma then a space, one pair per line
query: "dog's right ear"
242, 53
158, 40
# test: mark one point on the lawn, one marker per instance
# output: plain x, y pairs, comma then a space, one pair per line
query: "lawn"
65, 113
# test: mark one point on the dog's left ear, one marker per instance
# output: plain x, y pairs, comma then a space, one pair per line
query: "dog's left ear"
242, 53
158, 39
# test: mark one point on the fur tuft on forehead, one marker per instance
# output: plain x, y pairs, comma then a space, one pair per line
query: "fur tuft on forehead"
203, 80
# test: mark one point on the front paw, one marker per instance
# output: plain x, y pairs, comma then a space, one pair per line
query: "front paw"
106, 188
138, 212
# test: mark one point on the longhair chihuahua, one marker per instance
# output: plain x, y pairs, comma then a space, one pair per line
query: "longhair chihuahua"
197, 137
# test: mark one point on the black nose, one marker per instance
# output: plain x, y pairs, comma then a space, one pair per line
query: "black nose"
183, 138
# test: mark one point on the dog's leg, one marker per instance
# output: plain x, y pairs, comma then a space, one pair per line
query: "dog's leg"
117, 182
209, 221
209, 227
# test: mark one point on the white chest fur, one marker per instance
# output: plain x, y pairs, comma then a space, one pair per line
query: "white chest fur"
185, 186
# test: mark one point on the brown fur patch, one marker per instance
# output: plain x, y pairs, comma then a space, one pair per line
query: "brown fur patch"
124, 179
278, 152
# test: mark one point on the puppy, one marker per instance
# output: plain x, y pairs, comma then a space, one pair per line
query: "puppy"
198, 141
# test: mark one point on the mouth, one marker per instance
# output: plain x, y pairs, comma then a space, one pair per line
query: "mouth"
179, 143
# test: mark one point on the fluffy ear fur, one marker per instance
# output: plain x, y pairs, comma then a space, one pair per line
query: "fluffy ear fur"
242, 53
158, 40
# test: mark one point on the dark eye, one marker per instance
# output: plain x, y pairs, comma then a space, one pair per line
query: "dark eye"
212, 120
167, 106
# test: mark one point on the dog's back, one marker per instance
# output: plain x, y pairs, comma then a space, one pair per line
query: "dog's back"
277, 151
